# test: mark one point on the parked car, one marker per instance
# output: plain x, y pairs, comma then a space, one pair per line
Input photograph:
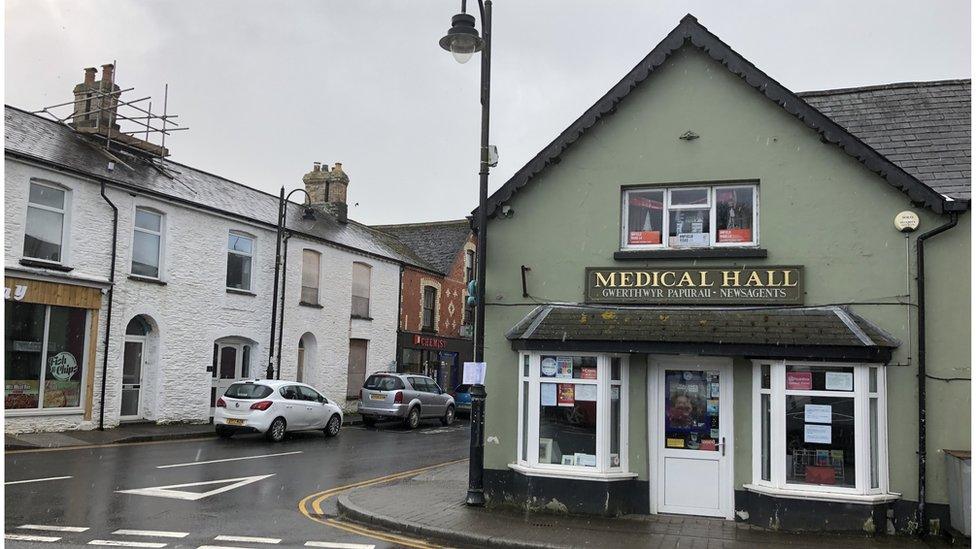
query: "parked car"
407, 397
274, 407
462, 398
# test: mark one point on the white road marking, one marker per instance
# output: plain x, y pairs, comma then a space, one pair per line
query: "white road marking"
220, 547
333, 545
151, 533
247, 539
53, 528
114, 543
224, 460
34, 480
25, 537
169, 492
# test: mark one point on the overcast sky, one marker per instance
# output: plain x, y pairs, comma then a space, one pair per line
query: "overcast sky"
269, 88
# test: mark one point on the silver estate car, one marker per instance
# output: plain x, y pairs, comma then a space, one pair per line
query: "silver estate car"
408, 397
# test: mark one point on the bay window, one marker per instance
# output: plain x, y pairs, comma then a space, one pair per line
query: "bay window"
573, 414
689, 217
819, 427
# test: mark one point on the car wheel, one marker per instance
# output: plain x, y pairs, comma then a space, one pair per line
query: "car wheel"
224, 432
369, 421
332, 427
276, 431
448, 416
413, 418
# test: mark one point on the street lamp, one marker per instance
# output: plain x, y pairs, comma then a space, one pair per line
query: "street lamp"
462, 41
282, 264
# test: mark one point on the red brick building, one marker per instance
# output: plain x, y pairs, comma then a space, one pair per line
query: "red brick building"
435, 328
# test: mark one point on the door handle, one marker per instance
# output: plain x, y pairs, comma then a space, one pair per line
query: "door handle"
721, 446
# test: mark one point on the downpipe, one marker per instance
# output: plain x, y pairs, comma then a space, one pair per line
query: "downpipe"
108, 312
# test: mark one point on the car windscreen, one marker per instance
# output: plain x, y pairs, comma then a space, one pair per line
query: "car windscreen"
247, 390
383, 383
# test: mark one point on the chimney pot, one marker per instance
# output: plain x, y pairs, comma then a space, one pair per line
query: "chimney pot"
316, 166
90, 76
338, 166
108, 73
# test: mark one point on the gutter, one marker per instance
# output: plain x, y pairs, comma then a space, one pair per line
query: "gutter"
920, 513
108, 313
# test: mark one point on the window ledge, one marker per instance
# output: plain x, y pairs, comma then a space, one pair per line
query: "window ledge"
28, 412
838, 497
312, 305
240, 292
575, 475
692, 253
147, 279
357, 317
45, 265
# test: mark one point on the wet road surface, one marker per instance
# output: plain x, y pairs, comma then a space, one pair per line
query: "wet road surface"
201, 493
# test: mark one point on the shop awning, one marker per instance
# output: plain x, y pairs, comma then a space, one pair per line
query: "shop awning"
833, 333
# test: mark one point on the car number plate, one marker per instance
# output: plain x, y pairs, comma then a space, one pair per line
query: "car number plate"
235, 422
377, 397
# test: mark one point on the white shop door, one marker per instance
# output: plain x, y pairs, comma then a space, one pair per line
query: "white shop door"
692, 429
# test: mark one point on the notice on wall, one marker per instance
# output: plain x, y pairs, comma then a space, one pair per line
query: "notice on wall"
799, 381
474, 373
566, 394
816, 434
547, 396
585, 392
817, 413
839, 381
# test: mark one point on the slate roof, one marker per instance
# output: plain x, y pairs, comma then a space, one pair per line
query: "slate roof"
438, 243
33, 137
691, 33
776, 331
923, 127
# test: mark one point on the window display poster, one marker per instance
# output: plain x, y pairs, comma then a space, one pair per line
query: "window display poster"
585, 460
799, 381
714, 390
712, 406
588, 373
564, 367
735, 235
585, 392
615, 392
21, 393
549, 366
645, 237
817, 413
547, 396
566, 394
838, 381
675, 443
816, 434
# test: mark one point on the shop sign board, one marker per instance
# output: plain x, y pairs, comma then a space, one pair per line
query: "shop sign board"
773, 285
429, 342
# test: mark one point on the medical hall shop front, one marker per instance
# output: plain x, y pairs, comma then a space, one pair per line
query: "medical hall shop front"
701, 299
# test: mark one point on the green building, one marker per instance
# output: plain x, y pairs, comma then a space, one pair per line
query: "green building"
702, 299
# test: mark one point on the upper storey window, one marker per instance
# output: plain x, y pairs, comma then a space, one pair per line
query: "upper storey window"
44, 232
689, 217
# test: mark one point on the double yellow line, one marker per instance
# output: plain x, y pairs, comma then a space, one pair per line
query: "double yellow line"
311, 507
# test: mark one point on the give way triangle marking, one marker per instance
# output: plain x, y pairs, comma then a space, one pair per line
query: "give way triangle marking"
170, 492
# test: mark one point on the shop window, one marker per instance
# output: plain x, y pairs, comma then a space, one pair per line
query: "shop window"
361, 274
430, 309
819, 427
572, 413
46, 226
147, 243
44, 356
311, 261
689, 217
240, 253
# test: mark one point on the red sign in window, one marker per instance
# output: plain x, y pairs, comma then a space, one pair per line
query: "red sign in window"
799, 381
735, 235
645, 237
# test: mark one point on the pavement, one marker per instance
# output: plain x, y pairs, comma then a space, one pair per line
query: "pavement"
124, 433
431, 504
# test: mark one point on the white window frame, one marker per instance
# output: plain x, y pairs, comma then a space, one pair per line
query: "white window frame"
318, 278
65, 220
162, 240
777, 484
369, 286
666, 220
254, 250
603, 470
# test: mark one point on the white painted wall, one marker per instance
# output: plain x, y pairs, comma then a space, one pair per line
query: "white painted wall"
194, 308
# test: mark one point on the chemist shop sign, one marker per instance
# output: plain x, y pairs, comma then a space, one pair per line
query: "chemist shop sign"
774, 285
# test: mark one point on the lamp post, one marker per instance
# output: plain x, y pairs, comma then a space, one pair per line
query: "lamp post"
462, 41
281, 264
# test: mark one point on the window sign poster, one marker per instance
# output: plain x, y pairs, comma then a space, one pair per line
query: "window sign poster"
839, 381
585, 392
566, 394
474, 373
675, 443
816, 434
588, 373
711, 406
714, 390
799, 381
585, 460
547, 397
564, 367
615, 392
549, 366
817, 413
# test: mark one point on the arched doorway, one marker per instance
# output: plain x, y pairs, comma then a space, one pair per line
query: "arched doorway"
231, 362
135, 362
306, 356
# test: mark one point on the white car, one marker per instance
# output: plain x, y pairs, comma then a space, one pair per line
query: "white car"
274, 407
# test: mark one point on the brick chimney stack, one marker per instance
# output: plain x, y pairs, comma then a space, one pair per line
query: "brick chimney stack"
91, 109
327, 189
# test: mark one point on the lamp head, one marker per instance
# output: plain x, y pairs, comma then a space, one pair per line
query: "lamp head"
462, 40
309, 214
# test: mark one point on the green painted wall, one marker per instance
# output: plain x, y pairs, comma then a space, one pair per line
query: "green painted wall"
818, 208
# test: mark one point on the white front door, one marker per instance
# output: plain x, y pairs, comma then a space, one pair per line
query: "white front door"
133, 360
691, 434
232, 363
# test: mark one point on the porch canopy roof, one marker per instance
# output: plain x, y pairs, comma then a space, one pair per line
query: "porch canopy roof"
819, 333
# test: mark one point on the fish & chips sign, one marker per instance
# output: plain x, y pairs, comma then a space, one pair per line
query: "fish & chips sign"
695, 286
